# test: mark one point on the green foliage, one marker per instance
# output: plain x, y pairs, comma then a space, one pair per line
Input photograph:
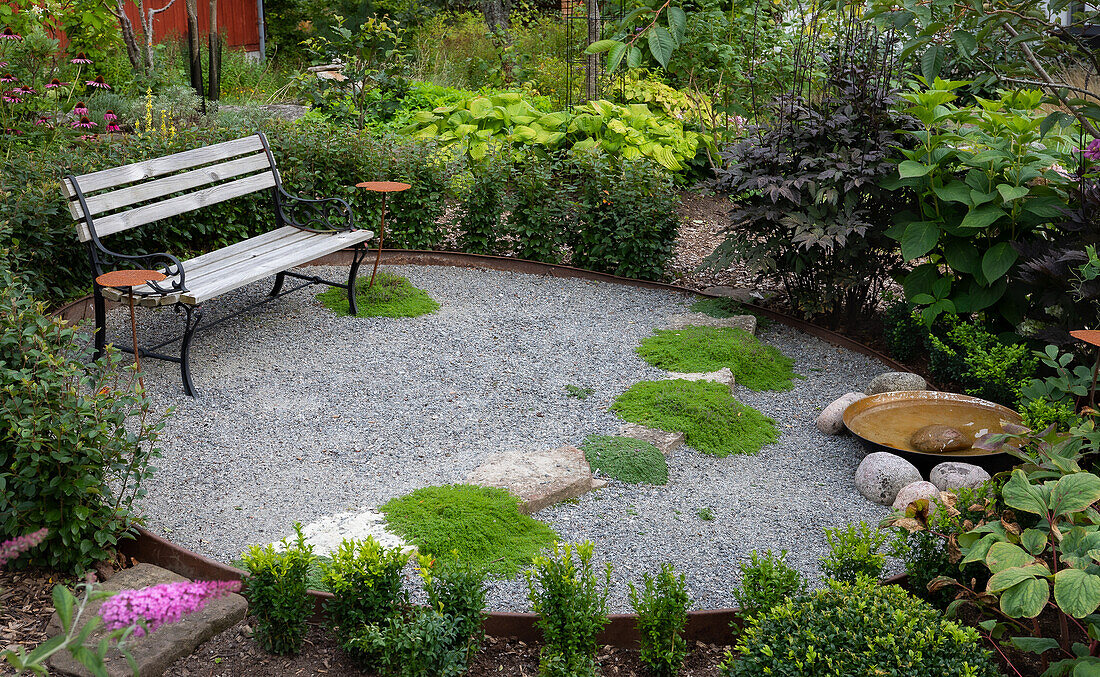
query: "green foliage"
662, 616
693, 349
365, 581
710, 418
457, 589
76, 436
626, 221
482, 524
705, 514
1039, 413
277, 593
983, 179
626, 459
391, 296
903, 331
972, 357
1054, 398
578, 392
538, 218
856, 628
415, 643
854, 553
480, 215
766, 582
570, 597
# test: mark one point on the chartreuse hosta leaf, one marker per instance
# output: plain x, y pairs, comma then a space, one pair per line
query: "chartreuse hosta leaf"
1077, 592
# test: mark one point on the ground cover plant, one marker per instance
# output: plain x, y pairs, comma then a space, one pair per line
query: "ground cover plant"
390, 296
723, 307
693, 349
626, 459
712, 421
482, 524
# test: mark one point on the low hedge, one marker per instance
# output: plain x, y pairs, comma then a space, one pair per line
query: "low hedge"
632, 235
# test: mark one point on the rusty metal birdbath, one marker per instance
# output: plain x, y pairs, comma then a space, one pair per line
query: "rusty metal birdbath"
382, 187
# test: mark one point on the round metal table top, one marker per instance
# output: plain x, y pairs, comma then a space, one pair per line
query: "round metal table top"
1087, 335
129, 278
384, 186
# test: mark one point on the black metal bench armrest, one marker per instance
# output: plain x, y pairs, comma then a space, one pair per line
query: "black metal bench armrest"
327, 215
165, 263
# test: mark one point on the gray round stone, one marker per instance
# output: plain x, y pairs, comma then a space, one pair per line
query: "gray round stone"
895, 381
831, 419
915, 492
882, 475
954, 475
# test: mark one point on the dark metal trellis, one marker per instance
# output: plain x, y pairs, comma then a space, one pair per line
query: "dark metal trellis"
577, 38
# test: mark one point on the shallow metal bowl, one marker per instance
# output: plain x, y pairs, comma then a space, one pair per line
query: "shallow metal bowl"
886, 421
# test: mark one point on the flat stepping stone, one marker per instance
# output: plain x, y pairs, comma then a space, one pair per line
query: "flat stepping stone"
666, 441
538, 478
327, 533
741, 294
723, 375
681, 320
156, 651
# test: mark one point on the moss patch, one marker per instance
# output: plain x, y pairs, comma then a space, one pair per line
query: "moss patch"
712, 421
701, 349
391, 296
726, 307
483, 524
626, 459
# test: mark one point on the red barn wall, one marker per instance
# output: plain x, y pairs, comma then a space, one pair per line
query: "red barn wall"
238, 21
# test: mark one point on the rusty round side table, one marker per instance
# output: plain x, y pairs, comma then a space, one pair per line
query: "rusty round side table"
1091, 337
125, 281
382, 187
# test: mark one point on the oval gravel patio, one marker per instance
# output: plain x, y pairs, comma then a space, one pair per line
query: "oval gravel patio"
303, 414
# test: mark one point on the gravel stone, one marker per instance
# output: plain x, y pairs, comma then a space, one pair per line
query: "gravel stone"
303, 415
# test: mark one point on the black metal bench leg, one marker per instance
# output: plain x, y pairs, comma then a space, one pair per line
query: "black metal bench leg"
279, 278
99, 306
194, 316
356, 259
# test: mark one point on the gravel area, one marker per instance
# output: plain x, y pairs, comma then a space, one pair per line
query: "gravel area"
303, 414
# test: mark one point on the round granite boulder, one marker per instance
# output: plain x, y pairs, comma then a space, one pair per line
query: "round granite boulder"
915, 492
954, 475
894, 381
882, 475
938, 439
831, 419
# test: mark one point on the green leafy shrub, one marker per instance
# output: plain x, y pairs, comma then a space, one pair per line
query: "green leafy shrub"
479, 220
626, 459
366, 585
538, 217
662, 616
693, 349
457, 589
482, 524
570, 597
766, 582
391, 296
985, 366
76, 436
902, 330
712, 421
1054, 399
415, 643
277, 593
854, 553
626, 222
856, 628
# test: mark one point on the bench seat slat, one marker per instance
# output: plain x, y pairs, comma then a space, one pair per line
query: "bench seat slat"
251, 260
152, 168
180, 204
150, 190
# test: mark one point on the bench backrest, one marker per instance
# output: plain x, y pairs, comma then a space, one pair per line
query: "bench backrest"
120, 198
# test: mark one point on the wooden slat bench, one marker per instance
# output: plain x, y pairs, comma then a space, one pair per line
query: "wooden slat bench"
114, 200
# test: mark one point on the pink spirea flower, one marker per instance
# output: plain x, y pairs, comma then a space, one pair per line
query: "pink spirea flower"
160, 604
1093, 151
80, 58
9, 550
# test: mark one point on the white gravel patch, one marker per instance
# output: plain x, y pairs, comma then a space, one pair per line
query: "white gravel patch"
302, 414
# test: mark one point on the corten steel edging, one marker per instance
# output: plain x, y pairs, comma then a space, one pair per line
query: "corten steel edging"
711, 626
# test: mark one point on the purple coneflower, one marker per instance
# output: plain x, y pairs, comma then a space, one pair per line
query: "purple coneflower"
8, 77
110, 115
84, 123
3, 64
112, 127
81, 58
12, 97
9, 34
161, 604
55, 83
88, 137
9, 550
98, 82
80, 108
44, 121
25, 89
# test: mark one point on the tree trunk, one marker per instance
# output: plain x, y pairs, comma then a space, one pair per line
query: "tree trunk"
592, 65
214, 71
194, 54
496, 14
133, 53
